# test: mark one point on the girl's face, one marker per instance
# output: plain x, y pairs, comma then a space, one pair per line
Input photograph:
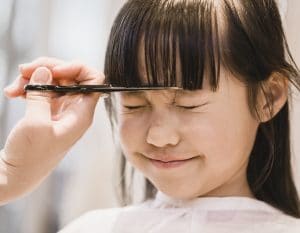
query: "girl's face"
190, 143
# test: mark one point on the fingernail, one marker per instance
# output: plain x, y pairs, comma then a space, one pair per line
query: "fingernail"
41, 76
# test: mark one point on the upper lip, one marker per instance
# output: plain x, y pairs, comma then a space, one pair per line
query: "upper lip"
167, 158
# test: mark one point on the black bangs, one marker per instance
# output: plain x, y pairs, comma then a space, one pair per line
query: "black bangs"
164, 43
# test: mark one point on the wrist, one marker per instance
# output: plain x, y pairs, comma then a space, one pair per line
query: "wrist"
5, 190
11, 184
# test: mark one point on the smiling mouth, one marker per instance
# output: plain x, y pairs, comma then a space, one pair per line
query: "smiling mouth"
169, 164
171, 161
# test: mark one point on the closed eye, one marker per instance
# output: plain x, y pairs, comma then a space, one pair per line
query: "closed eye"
191, 107
133, 107
187, 107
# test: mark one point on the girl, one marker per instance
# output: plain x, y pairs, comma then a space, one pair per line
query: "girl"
215, 154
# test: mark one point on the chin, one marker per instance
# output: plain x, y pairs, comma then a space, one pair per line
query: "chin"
178, 193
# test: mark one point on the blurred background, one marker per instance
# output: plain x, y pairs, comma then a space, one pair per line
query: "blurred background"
79, 30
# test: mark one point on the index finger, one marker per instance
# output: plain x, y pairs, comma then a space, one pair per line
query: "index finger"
79, 73
49, 62
72, 71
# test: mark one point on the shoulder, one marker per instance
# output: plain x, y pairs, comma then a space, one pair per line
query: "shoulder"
293, 224
95, 220
287, 224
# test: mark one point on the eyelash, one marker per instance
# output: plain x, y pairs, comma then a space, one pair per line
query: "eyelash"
188, 107
184, 107
133, 107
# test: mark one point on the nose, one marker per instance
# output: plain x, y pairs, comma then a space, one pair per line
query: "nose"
163, 131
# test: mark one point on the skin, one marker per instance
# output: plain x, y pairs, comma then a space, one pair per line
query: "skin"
218, 135
50, 127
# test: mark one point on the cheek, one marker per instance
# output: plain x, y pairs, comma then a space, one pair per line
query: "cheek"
131, 131
203, 132
225, 139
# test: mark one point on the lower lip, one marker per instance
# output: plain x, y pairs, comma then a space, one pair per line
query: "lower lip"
173, 164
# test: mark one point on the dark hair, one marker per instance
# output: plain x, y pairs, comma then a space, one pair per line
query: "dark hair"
246, 38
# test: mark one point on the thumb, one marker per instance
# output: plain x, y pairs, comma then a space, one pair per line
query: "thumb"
39, 102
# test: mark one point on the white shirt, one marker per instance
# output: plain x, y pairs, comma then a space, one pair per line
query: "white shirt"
201, 215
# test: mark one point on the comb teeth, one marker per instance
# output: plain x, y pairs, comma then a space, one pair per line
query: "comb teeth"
90, 88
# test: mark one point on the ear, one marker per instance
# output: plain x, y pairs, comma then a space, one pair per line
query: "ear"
273, 97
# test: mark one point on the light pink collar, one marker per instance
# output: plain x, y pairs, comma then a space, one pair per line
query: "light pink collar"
213, 203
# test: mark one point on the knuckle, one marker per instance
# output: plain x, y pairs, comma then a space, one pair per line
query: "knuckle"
76, 64
101, 78
95, 76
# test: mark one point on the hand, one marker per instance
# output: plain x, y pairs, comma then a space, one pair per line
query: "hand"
51, 125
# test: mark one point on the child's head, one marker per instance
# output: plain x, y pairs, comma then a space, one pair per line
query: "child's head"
231, 119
